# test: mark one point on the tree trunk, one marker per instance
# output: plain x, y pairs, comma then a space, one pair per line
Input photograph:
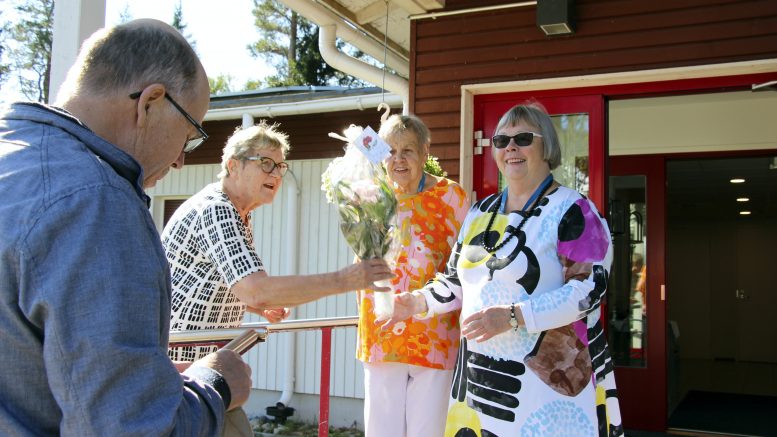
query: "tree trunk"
292, 41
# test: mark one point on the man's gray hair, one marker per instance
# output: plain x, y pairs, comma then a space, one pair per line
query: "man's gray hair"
533, 114
134, 55
247, 142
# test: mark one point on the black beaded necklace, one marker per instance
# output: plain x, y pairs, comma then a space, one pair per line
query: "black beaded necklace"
498, 205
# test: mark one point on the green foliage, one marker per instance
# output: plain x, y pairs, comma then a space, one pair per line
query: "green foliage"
220, 84
179, 25
253, 84
289, 42
432, 166
29, 51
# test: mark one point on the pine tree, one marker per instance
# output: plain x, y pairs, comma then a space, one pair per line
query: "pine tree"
29, 48
289, 42
179, 25
220, 84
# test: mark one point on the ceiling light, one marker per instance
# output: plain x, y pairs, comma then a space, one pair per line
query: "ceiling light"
737, 181
743, 199
744, 212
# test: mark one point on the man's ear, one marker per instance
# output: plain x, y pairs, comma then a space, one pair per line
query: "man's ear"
150, 96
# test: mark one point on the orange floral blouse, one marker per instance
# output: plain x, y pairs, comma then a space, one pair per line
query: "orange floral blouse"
429, 224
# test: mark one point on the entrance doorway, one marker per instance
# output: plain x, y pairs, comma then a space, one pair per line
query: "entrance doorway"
721, 230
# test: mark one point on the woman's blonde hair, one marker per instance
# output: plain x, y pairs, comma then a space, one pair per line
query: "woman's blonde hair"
247, 142
397, 124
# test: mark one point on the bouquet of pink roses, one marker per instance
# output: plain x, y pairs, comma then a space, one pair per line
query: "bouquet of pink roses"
357, 184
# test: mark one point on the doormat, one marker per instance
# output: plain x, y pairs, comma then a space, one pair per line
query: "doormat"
726, 413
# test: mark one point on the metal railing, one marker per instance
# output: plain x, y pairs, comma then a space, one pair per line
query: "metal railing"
222, 337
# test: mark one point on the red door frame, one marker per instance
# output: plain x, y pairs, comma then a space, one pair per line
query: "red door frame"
650, 411
492, 106
642, 408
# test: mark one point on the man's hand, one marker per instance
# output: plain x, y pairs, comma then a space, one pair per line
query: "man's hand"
363, 274
234, 370
406, 305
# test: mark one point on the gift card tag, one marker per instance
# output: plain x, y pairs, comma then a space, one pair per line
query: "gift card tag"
373, 146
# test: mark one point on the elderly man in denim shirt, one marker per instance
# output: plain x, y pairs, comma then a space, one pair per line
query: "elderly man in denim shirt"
84, 283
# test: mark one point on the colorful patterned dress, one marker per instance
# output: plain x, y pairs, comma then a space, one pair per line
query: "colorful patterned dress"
553, 376
429, 224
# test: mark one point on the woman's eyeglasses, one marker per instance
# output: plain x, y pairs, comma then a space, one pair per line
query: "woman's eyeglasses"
268, 164
521, 139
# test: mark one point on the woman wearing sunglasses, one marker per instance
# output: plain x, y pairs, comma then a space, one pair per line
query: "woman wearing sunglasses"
528, 273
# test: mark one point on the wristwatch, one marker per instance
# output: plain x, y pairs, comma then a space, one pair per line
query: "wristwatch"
513, 320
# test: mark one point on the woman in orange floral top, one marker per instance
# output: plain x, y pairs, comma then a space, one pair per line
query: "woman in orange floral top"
408, 369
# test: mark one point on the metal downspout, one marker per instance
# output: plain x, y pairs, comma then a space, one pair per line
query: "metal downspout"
292, 254
292, 258
322, 16
327, 37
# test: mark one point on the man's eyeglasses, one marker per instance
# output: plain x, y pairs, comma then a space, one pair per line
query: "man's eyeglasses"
191, 143
522, 139
268, 164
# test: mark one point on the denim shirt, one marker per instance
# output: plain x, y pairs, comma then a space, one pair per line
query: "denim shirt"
85, 292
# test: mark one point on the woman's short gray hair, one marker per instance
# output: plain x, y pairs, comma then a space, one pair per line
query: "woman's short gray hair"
534, 114
246, 142
397, 124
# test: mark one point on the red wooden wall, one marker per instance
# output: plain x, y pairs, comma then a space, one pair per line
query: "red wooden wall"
611, 36
308, 134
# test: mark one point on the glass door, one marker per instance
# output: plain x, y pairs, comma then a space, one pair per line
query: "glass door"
636, 293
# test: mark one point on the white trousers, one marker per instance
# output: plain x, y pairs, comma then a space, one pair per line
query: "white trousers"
404, 400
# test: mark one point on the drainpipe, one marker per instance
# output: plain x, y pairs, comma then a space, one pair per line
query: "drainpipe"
248, 120
322, 16
292, 206
292, 266
331, 26
327, 37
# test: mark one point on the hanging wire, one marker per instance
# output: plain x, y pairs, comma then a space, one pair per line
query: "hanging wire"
385, 53
383, 104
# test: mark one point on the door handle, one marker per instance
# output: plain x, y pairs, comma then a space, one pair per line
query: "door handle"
740, 294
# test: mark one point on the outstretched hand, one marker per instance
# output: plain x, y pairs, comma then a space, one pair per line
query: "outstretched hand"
275, 315
405, 305
363, 274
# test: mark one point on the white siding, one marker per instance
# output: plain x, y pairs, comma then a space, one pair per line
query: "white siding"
180, 184
321, 248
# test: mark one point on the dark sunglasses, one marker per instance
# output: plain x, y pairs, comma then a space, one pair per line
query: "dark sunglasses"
191, 143
521, 139
268, 164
